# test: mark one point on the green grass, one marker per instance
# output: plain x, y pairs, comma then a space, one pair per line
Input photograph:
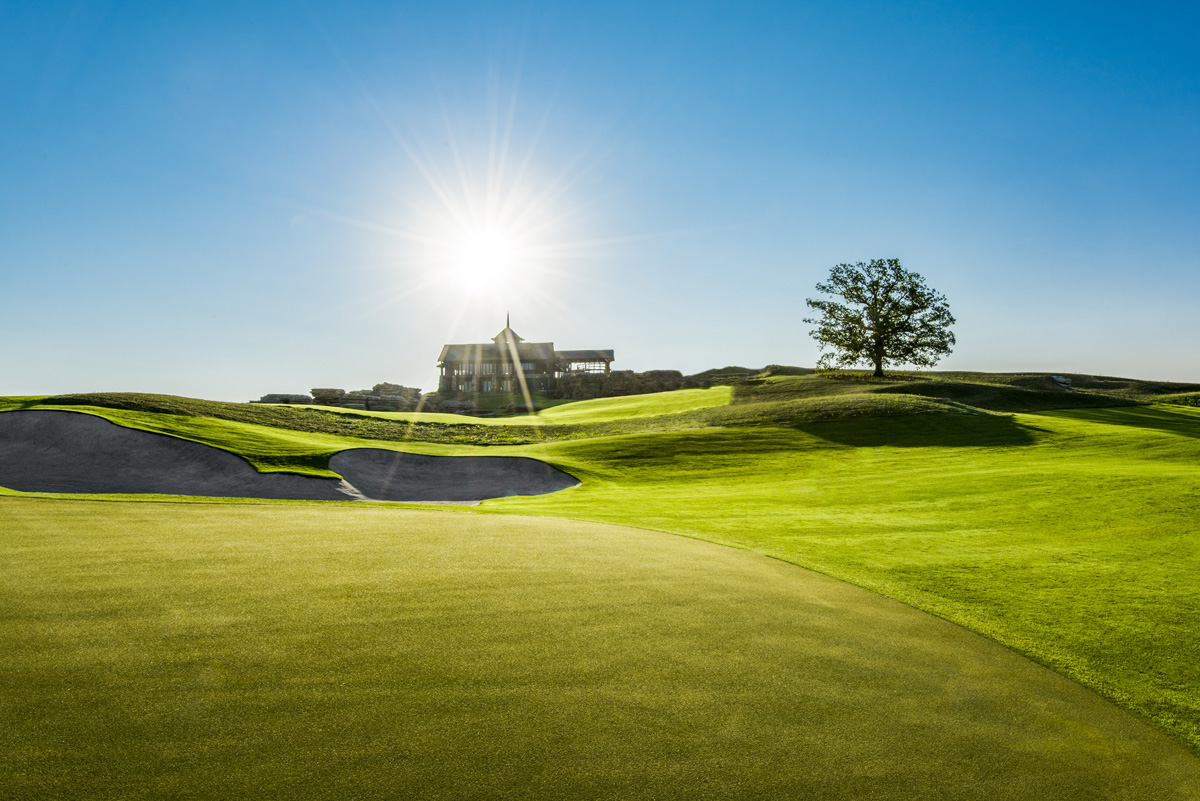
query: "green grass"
630, 407
1069, 534
983, 391
775, 400
1182, 399
313, 651
305, 438
203, 421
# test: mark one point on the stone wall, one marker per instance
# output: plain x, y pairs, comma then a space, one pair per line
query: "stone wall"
382, 397
583, 386
385, 397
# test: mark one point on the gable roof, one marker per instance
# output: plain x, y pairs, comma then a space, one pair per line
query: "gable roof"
501, 347
539, 351
507, 335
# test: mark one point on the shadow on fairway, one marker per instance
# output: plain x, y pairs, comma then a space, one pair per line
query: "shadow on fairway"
1003, 398
1183, 422
924, 431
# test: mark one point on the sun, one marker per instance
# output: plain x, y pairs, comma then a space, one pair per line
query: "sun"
486, 226
484, 258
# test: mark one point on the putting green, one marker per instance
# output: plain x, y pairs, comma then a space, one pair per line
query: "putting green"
318, 651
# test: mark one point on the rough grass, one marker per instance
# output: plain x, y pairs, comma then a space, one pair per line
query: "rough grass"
315, 651
982, 391
1181, 398
1111, 385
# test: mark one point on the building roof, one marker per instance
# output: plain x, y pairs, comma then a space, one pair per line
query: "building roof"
500, 350
494, 353
584, 355
507, 335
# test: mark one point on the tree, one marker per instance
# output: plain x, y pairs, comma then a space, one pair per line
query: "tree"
881, 314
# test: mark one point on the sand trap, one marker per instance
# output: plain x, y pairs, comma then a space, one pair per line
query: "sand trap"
392, 476
54, 451
44, 451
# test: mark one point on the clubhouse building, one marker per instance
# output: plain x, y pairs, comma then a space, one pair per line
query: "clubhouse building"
508, 365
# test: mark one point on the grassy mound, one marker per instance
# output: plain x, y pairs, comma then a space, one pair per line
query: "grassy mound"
982, 391
162, 650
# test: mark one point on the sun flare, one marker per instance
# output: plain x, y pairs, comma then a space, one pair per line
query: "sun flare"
491, 228
485, 258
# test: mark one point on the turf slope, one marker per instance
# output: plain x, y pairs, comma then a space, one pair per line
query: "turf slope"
318, 651
1072, 536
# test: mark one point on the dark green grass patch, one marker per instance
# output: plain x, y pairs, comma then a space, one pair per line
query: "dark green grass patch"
999, 398
317, 651
1113, 386
1181, 398
1182, 421
983, 391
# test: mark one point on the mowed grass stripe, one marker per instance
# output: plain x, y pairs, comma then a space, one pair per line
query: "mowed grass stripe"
321, 651
629, 407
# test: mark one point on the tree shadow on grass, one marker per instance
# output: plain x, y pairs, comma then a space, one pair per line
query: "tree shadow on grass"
19, 404
925, 431
1159, 418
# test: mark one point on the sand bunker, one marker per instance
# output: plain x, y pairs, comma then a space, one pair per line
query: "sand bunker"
43, 451
53, 451
392, 476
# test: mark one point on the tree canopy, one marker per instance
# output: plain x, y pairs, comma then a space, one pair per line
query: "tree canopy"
880, 314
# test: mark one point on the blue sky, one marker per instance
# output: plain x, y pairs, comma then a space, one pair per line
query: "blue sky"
226, 199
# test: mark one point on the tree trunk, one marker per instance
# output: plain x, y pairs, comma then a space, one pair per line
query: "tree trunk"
878, 370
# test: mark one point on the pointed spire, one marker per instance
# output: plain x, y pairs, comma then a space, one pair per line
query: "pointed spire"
507, 334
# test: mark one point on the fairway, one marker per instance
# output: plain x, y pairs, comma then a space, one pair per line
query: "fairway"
636, 406
327, 651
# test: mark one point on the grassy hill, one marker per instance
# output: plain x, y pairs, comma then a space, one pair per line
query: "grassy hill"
1061, 524
770, 397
